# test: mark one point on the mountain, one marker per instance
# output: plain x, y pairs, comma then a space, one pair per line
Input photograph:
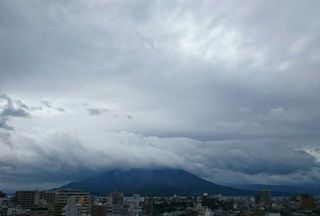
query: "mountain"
290, 189
154, 182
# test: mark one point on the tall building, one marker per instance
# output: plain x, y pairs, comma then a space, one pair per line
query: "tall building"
25, 199
82, 198
117, 201
117, 198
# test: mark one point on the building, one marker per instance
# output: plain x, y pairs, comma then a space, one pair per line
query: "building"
25, 199
210, 202
133, 204
72, 208
49, 197
117, 200
133, 211
148, 206
18, 211
135, 200
264, 198
99, 210
82, 198
307, 202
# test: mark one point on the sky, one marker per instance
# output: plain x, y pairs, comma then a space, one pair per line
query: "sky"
227, 90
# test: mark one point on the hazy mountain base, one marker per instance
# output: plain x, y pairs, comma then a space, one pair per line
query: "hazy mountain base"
155, 182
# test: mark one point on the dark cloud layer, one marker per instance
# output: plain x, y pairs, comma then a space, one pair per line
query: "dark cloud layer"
228, 90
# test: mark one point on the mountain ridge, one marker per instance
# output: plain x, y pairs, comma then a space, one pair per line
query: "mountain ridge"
153, 182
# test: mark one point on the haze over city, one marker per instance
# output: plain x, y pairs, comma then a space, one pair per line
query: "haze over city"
226, 90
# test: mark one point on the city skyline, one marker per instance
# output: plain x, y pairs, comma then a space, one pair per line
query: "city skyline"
226, 90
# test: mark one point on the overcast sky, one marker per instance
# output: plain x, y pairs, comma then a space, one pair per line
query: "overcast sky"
228, 90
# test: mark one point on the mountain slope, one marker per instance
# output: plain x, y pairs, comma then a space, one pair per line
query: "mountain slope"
290, 189
153, 182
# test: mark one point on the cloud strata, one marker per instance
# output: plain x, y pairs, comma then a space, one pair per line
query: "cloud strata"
227, 90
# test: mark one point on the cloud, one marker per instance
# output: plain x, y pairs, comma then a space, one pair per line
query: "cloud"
277, 111
97, 111
11, 108
14, 112
48, 105
314, 152
4, 125
66, 157
221, 87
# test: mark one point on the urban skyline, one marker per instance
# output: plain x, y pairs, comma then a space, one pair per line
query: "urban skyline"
80, 203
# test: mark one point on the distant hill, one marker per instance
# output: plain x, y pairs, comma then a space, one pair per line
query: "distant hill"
155, 182
290, 189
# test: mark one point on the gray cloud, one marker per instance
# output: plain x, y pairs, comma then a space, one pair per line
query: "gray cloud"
65, 158
11, 108
48, 105
223, 85
14, 112
4, 124
97, 111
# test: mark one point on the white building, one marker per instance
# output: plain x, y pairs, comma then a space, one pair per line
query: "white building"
72, 208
